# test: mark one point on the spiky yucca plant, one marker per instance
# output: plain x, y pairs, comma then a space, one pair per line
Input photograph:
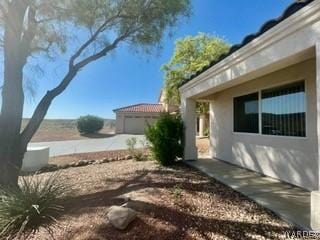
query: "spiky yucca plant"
34, 204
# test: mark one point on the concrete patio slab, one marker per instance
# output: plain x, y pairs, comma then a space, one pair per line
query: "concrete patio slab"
285, 200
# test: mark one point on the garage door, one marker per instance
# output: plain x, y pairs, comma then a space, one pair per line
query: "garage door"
136, 124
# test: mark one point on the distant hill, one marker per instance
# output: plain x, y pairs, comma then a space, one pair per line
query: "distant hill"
66, 129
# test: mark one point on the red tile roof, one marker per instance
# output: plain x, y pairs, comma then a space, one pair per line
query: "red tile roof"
142, 107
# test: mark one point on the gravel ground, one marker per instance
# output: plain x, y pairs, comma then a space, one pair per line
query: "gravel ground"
65, 159
172, 203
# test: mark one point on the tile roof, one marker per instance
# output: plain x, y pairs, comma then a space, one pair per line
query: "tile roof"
293, 8
142, 107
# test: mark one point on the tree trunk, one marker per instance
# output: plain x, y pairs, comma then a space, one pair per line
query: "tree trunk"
11, 163
11, 151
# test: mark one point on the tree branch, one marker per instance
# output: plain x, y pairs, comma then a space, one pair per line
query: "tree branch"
101, 53
43, 106
92, 39
29, 32
42, 49
74, 68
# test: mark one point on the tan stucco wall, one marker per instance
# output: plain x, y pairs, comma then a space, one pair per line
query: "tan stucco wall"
290, 159
120, 119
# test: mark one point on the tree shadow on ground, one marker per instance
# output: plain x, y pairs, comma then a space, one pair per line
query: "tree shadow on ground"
180, 221
98, 135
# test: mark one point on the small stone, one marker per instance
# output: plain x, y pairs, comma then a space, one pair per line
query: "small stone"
121, 217
49, 168
100, 161
64, 166
82, 163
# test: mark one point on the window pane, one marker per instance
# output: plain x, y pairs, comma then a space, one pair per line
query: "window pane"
246, 113
283, 110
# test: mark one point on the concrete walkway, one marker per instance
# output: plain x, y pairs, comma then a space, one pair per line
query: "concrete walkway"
287, 201
117, 142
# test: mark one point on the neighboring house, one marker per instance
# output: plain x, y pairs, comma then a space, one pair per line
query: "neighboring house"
265, 100
134, 119
162, 99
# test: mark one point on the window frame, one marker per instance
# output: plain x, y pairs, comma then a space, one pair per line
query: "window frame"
259, 90
233, 112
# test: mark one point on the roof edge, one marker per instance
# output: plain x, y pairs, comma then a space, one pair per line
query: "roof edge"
289, 11
134, 105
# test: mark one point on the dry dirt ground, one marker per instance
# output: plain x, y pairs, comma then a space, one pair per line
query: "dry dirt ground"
62, 129
172, 203
203, 146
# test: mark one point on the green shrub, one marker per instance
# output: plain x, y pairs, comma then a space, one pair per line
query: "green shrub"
89, 124
137, 154
34, 204
166, 138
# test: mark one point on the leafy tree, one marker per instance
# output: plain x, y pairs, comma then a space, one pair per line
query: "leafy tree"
32, 28
191, 54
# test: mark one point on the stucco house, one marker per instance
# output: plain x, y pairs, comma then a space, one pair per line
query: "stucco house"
133, 119
265, 101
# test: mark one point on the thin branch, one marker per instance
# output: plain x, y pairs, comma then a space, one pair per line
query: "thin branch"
44, 20
29, 33
91, 39
101, 53
95, 34
86, 44
42, 49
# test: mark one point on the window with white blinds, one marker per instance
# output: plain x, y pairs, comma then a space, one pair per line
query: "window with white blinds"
283, 110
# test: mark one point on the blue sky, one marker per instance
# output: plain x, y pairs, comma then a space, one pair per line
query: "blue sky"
125, 78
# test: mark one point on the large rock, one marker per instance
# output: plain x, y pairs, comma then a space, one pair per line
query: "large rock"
120, 217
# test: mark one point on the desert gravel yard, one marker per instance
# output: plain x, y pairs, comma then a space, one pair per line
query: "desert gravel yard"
172, 203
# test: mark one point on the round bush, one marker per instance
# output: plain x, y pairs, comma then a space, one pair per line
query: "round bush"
166, 138
89, 124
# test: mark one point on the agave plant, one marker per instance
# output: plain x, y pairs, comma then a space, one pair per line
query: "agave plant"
31, 206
